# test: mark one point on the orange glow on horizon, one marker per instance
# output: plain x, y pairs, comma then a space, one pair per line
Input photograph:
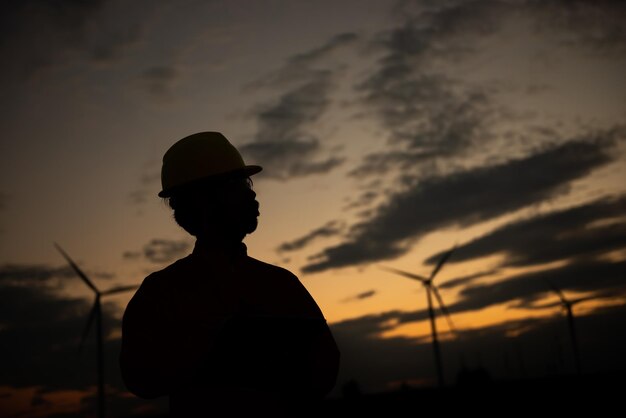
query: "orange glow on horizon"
20, 401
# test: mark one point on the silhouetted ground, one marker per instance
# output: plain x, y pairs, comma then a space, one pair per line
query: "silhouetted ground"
600, 391
597, 392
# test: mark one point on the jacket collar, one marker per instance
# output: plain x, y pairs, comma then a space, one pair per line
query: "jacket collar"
212, 252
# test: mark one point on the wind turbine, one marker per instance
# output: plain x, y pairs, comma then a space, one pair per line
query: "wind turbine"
568, 305
96, 313
431, 288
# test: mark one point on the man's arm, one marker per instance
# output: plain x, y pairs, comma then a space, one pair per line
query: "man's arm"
164, 343
146, 352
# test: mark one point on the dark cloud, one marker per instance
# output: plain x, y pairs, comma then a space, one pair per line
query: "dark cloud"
437, 126
364, 199
425, 120
464, 199
604, 279
40, 332
158, 81
284, 142
334, 43
38, 34
27, 273
601, 278
132, 255
460, 281
44, 276
434, 124
149, 182
587, 230
363, 295
161, 250
330, 229
138, 196
28, 26
596, 25
512, 349
303, 66
425, 115
427, 24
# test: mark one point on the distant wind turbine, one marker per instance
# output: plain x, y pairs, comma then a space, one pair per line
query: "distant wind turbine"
96, 313
567, 306
430, 287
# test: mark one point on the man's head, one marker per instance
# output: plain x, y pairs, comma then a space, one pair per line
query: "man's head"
209, 187
199, 157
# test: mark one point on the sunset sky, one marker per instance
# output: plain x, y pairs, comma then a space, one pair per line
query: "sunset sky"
389, 131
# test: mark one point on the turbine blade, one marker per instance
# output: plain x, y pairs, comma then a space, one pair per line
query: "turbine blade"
76, 269
92, 316
443, 259
557, 291
406, 274
118, 289
443, 308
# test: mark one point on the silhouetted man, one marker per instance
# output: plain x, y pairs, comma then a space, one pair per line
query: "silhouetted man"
219, 332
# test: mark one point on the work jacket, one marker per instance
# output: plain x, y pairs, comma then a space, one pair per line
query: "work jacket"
219, 329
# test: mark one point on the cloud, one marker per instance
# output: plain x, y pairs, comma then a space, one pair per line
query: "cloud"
158, 81
425, 120
329, 229
586, 230
460, 281
464, 199
518, 348
32, 310
303, 66
149, 181
365, 295
132, 255
433, 122
45, 34
321, 52
45, 277
27, 273
361, 296
40, 331
284, 142
282, 145
161, 251
425, 114
603, 278
596, 25
60, 25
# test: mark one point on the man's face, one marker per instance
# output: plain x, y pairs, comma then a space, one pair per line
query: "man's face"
236, 207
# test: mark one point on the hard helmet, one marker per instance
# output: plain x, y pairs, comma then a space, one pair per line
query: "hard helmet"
201, 156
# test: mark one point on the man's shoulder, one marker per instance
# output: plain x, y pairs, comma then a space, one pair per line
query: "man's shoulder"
270, 268
287, 290
160, 277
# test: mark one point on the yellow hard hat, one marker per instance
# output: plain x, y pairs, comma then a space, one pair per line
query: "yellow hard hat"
200, 156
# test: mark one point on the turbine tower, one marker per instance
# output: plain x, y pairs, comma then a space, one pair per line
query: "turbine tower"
567, 306
431, 289
96, 313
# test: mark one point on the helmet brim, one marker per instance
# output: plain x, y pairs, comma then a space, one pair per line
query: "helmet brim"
244, 172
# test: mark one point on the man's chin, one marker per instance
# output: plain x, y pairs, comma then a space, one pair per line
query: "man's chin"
251, 226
